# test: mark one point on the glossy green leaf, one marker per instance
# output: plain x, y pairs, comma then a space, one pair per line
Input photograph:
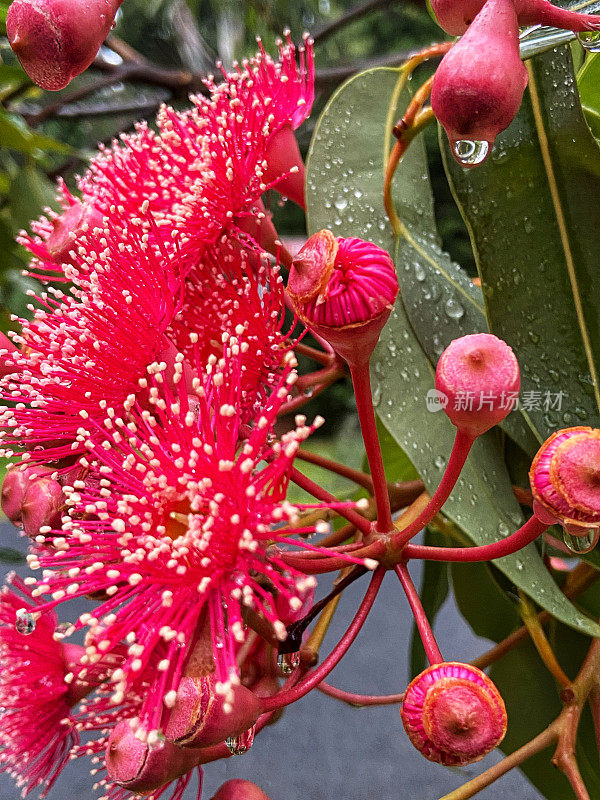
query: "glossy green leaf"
531, 210
30, 192
344, 193
15, 135
588, 83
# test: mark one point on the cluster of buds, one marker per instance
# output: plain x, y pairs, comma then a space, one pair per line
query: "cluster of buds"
478, 87
143, 418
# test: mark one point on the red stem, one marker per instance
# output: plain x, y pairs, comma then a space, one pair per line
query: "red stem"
311, 352
364, 402
297, 402
312, 379
460, 450
360, 699
355, 475
487, 552
317, 491
432, 651
284, 698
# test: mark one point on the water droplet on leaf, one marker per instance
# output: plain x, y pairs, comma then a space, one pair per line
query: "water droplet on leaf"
590, 40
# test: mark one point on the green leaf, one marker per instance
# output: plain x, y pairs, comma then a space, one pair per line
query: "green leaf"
530, 210
434, 591
398, 466
30, 193
588, 83
15, 135
344, 193
487, 610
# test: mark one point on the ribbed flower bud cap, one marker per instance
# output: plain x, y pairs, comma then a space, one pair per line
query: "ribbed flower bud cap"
565, 479
453, 714
478, 379
344, 290
238, 789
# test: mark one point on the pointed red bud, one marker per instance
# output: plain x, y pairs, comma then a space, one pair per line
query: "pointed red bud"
66, 229
456, 15
344, 290
238, 789
143, 767
55, 40
42, 504
16, 482
478, 87
206, 713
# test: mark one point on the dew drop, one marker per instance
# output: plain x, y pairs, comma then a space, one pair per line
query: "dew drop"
453, 308
469, 152
341, 203
156, 740
503, 529
581, 544
287, 662
590, 40
25, 622
238, 745
440, 462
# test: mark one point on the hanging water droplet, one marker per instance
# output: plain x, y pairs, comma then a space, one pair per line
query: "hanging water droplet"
156, 740
25, 622
469, 152
238, 745
287, 662
581, 544
590, 40
453, 308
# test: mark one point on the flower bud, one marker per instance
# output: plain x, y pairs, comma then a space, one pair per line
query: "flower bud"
456, 15
55, 40
206, 713
565, 480
42, 504
479, 380
344, 290
16, 482
238, 789
142, 767
453, 714
67, 228
478, 87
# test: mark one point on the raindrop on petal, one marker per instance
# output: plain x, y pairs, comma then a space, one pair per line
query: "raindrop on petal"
25, 622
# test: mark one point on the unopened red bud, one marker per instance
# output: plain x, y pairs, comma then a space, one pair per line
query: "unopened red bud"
453, 714
478, 379
16, 482
238, 789
344, 290
55, 40
205, 713
478, 87
143, 767
67, 228
456, 15
42, 504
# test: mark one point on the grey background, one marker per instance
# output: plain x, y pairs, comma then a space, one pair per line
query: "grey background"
325, 750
